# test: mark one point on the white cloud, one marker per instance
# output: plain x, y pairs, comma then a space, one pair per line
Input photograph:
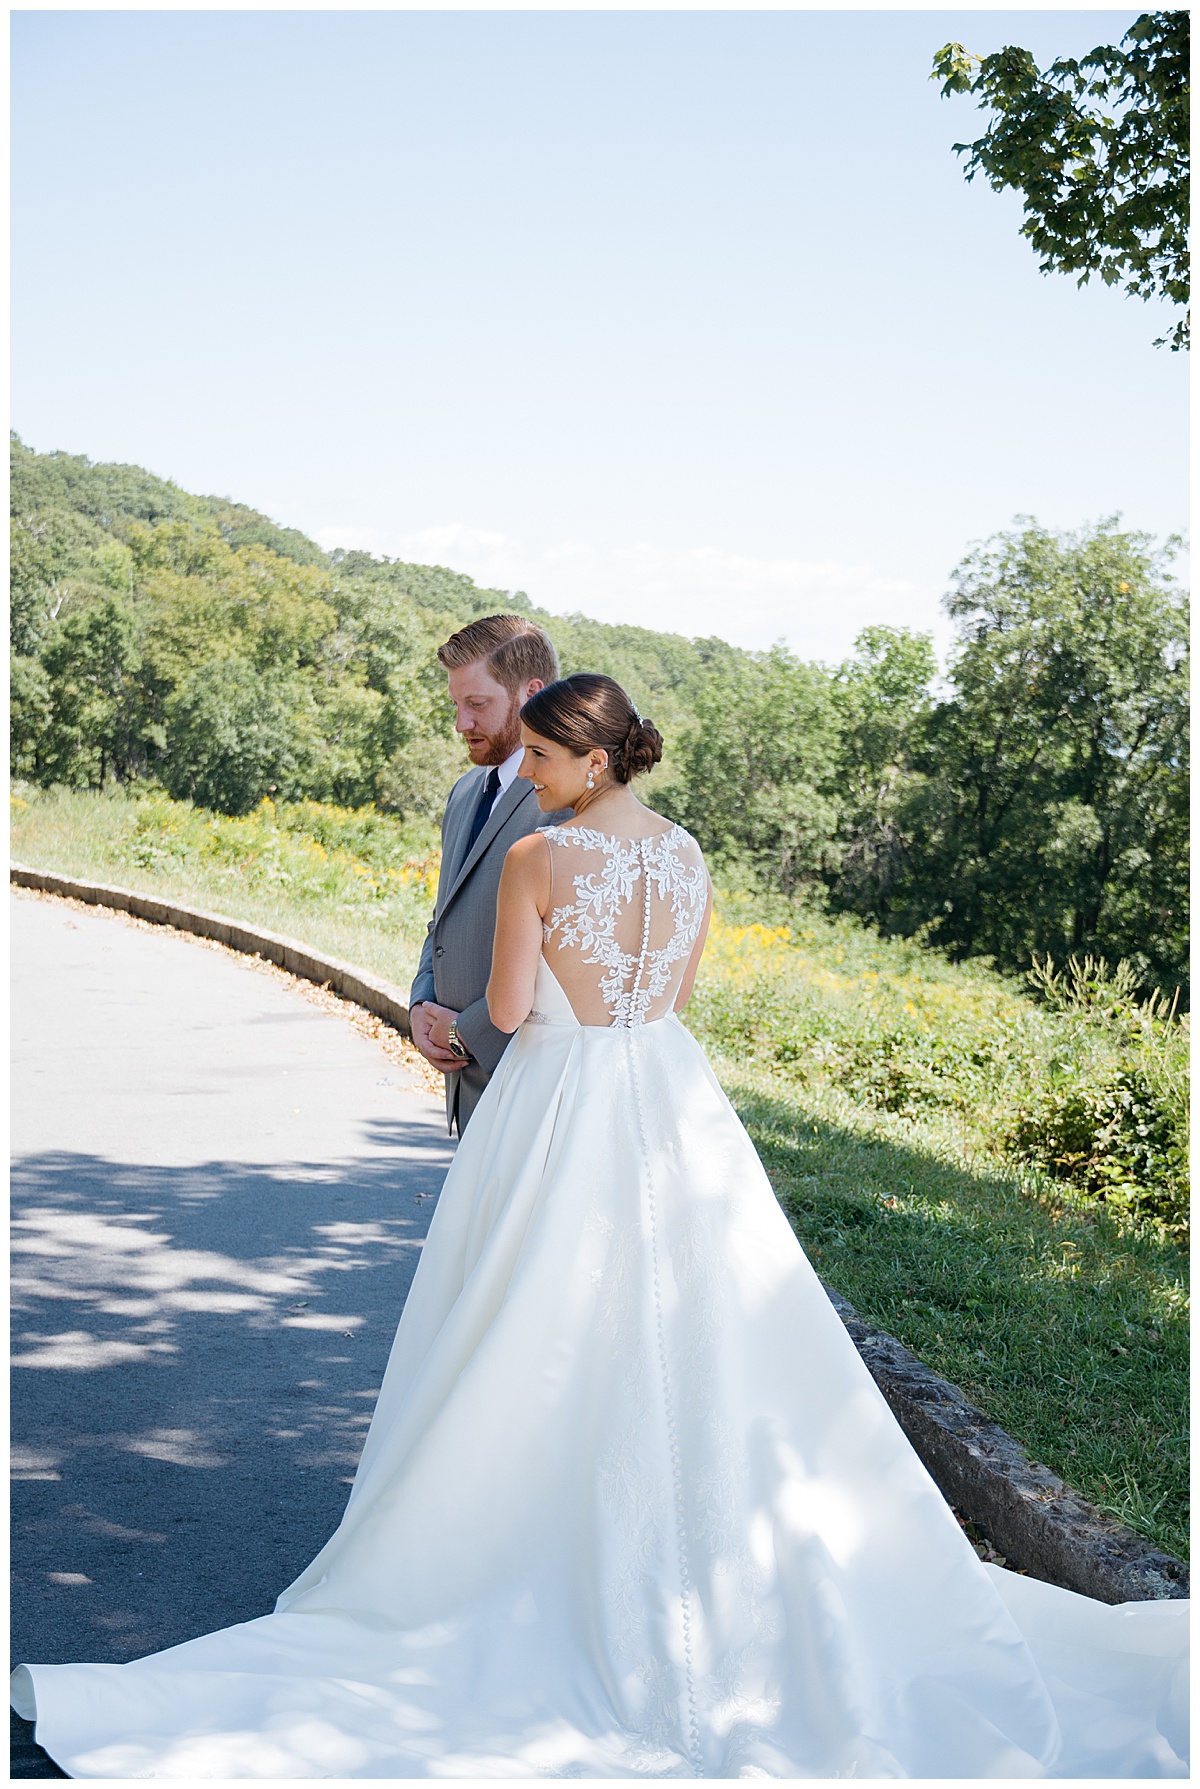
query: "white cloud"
818, 607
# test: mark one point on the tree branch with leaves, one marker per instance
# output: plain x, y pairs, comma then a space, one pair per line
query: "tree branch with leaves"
1099, 149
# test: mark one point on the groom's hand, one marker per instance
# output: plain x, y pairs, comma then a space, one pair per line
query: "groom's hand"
430, 1026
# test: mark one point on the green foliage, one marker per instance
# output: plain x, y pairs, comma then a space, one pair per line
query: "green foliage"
1098, 148
240, 526
1040, 805
1117, 1128
1049, 808
315, 851
1115, 1140
376, 842
342, 646
229, 739
31, 705
58, 561
882, 700
419, 776
91, 665
112, 496
1088, 1083
756, 767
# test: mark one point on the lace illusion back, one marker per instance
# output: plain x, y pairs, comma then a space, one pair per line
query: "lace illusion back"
623, 917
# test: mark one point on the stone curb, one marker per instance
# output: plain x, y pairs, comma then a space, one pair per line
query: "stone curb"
1028, 1514
379, 997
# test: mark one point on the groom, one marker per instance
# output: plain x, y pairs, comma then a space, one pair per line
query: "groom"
493, 666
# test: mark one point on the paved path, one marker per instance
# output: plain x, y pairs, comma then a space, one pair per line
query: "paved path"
219, 1195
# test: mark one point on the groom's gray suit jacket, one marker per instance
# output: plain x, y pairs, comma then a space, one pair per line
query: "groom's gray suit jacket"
457, 956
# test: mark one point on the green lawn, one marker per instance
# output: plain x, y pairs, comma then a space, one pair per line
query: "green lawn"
886, 1091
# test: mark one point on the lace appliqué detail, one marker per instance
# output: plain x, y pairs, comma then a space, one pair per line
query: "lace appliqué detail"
632, 982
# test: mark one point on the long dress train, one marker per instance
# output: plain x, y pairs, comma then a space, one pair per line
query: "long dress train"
630, 1504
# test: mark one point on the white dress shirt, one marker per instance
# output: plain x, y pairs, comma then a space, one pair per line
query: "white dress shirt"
508, 770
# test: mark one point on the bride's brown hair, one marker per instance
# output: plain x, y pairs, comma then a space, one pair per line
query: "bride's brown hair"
590, 710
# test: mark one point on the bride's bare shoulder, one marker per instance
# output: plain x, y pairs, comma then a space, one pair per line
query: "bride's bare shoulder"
527, 863
522, 853
663, 825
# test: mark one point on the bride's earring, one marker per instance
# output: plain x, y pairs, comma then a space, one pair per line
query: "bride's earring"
591, 780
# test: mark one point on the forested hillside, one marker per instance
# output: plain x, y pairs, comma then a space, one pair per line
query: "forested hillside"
1033, 800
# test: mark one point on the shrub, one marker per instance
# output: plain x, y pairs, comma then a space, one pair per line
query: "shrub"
318, 852
1115, 1128
1115, 1140
1087, 1084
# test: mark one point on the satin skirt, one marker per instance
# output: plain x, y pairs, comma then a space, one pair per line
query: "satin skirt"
631, 1505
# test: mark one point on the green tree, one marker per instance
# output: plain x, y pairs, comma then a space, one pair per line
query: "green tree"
1099, 149
392, 645
229, 739
755, 769
57, 560
243, 527
30, 707
417, 778
202, 598
339, 725
1050, 808
881, 698
39, 560
111, 495
96, 726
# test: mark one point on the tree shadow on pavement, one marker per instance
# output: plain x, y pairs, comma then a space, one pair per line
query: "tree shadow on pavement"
197, 1355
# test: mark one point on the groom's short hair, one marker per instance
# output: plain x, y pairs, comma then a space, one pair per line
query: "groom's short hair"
515, 650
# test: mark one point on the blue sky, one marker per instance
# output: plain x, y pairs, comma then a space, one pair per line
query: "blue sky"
685, 318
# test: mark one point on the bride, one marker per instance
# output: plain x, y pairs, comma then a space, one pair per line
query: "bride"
630, 1504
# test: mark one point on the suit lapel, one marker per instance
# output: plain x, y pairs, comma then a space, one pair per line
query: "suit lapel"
459, 824
504, 807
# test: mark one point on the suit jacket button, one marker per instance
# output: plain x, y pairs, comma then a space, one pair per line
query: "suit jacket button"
439, 951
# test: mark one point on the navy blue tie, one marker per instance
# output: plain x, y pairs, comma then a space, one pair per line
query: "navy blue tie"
491, 788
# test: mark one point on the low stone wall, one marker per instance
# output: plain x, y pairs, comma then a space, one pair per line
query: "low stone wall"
1028, 1514
1031, 1518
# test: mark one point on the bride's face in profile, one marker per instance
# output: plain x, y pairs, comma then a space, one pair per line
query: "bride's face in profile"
558, 775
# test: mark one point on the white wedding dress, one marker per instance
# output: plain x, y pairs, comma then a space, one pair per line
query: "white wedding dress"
631, 1505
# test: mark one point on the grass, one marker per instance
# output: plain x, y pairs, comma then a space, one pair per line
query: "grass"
360, 887
1066, 1325
898, 1102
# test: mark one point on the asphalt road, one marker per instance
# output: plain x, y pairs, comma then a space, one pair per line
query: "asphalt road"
219, 1195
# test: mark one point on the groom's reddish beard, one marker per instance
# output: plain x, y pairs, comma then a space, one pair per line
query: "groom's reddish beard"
501, 745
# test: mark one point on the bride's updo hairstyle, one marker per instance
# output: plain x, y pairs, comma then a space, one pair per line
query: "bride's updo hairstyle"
590, 710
